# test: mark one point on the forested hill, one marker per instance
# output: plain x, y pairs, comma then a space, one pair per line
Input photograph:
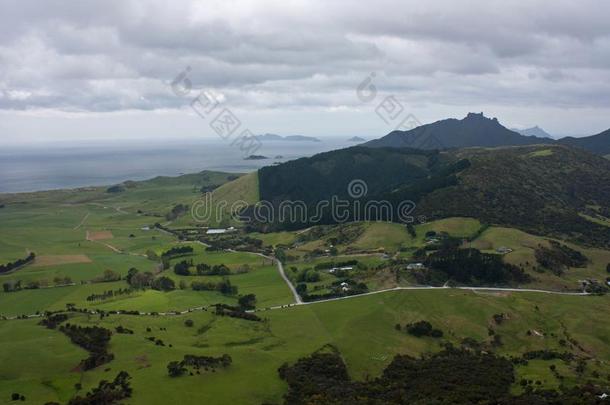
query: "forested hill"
598, 144
316, 178
473, 130
549, 190
544, 189
361, 172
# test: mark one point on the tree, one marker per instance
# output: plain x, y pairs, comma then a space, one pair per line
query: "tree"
182, 268
175, 369
107, 276
189, 323
301, 289
280, 254
423, 328
247, 301
132, 272
141, 280
163, 284
608, 268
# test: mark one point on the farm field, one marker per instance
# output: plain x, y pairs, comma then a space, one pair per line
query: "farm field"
362, 329
82, 236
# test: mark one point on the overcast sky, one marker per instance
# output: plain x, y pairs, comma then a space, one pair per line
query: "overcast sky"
90, 69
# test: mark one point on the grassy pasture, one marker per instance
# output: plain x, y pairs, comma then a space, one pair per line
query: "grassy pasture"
362, 328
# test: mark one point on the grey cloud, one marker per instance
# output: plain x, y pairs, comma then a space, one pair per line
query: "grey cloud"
115, 55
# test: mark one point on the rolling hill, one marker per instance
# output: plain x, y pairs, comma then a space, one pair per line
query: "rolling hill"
476, 130
543, 189
473, 130
598, 144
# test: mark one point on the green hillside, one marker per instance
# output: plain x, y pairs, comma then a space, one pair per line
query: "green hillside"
540, 189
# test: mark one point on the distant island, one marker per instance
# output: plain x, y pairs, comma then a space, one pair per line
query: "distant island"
356, 139
274, 137
256, 157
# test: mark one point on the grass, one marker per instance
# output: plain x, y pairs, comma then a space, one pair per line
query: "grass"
275, 238
362, 328
40, 363
382, 236
523, 254
541, 153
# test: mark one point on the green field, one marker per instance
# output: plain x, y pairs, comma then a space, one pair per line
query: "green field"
361, 328
42, 364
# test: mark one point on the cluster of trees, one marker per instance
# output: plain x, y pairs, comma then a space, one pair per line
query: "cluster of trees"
177, 251
137, 279
547, 354
93, 339
308, 276
123, 330
224, 286
559, 257
452, 376
596, 288
469, 266
183, 267
140, 280
232, 241
17, 285
178, 368
422, 328
235, 312
163, 284
107, 276
107, 392
51, 321
204, 269
177, 211
109, 294
5, 268
247, 302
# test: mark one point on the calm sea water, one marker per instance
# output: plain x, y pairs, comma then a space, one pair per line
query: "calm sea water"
46, 167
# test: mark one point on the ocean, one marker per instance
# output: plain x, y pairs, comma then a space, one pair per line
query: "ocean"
61, 165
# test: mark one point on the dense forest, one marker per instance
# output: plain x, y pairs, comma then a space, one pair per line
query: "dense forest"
327, 176
452, 376
545, 190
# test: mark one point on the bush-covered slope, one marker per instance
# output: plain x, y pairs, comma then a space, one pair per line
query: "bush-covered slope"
346, 175
598, 144
541, 189
537, 189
